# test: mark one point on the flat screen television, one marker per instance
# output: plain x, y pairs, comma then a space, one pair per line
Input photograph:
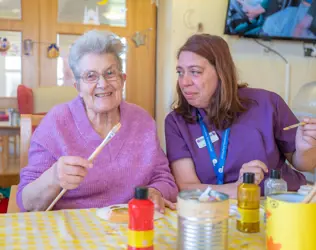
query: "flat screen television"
272, 19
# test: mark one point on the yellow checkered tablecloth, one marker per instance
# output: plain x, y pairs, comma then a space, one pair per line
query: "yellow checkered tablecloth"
82, 229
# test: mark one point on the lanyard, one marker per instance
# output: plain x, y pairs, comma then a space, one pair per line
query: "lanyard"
218, 165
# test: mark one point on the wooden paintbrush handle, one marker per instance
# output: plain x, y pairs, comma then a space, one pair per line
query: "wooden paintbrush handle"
56, 199
97, 151
310, 195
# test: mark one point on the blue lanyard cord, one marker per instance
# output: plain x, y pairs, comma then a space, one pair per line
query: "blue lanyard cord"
218, 165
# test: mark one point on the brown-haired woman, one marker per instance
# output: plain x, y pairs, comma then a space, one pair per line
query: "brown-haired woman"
219, 129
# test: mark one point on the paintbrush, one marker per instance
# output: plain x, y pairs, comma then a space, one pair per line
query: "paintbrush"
295, 125
309, 197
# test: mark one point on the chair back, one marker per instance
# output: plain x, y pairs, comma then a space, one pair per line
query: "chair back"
28, 123
45, 98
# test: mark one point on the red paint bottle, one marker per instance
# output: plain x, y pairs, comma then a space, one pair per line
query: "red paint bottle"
141, 221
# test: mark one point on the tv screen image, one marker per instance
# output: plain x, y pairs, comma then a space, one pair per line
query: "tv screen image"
272, 19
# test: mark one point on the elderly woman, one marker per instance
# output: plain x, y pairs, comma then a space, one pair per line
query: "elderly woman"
70, 132
219, 129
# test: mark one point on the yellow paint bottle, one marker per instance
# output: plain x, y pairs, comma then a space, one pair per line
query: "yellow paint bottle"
248, 203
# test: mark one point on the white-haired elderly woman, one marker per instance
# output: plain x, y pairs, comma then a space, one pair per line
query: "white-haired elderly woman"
70, 132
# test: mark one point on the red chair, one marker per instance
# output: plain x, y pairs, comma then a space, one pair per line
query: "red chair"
4, 205
25, 99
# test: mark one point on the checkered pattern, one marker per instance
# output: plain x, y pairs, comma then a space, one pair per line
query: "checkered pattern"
82, 229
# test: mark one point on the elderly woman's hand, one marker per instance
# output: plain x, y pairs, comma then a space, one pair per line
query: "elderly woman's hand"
159, 201
70, 171
257, 167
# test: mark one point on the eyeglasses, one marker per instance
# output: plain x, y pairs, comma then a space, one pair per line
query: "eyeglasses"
93, 76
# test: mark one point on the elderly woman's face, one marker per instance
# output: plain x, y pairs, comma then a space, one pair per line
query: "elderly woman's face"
197, 79
101, 83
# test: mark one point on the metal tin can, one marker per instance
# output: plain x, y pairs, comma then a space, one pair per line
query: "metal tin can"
290, 224
11, 118
202, 224
15, 119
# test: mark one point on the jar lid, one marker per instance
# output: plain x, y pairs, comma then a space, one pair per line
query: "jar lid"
275, 174
249, 178
141, 193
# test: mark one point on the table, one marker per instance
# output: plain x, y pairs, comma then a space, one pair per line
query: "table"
82, 229
7, 130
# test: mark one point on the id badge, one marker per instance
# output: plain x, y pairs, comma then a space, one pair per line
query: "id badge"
201, 141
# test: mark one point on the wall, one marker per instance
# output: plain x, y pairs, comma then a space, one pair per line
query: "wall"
177, 20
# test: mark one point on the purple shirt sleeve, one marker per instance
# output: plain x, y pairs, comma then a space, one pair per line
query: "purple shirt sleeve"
284, 118
161, 179
39, 161
175, 144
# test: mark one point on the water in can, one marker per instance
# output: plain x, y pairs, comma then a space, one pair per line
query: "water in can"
202, 224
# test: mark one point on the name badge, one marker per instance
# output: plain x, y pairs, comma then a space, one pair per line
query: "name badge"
201, 142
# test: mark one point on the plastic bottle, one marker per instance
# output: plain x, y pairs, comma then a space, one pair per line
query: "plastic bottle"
248, 195
274, 184
141, 221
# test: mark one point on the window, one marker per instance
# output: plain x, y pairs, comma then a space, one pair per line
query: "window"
109, 12
10, 64
64, 73
10, 9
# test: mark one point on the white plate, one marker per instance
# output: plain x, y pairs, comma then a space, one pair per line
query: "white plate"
105, 212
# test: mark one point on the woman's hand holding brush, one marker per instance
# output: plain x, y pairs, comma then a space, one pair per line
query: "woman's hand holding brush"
69, 171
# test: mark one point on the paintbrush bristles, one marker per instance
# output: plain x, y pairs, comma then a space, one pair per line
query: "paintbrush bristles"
295, 125
104, 142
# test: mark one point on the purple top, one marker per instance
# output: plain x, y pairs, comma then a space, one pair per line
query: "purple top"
256, 135
132, 158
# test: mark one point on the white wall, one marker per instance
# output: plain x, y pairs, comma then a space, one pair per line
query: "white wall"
177, 20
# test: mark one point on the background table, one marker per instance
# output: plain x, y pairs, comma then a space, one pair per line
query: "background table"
6, 131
